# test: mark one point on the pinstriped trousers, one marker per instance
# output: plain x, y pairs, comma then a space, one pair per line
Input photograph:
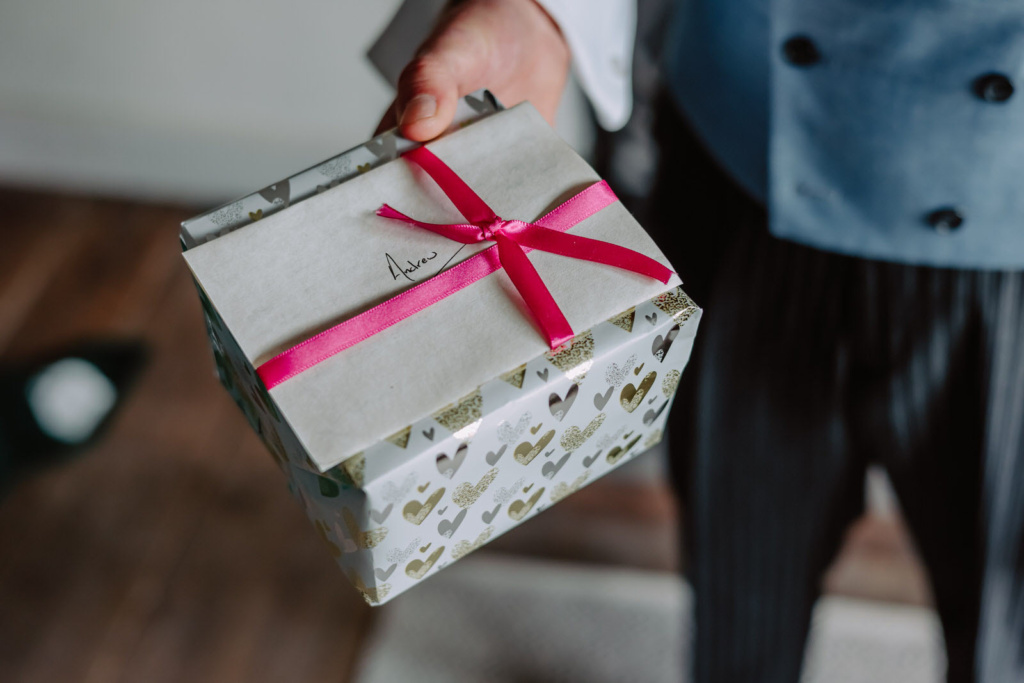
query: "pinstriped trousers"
808, 367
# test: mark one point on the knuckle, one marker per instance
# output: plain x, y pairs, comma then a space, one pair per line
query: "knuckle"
421, 70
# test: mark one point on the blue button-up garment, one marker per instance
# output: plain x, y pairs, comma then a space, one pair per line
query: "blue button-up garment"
892, 133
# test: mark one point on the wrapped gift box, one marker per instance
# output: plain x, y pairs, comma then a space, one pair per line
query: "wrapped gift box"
416, 446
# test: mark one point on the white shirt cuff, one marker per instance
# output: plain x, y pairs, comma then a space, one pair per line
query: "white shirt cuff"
600, 34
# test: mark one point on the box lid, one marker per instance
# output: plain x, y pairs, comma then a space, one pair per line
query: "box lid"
303, 269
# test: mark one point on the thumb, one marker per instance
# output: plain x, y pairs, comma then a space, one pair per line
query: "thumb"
427, 96
452, 63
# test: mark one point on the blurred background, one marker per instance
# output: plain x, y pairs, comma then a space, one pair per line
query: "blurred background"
165, 547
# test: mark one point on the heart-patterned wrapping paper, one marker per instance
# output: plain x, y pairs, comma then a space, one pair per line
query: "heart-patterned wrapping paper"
444, 486
445, 481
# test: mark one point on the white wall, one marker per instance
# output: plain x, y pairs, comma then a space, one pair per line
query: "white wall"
185, 99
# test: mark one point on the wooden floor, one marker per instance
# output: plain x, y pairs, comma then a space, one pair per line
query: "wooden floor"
172, 551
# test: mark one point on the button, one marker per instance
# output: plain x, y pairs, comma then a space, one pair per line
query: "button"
993, 87
801, 51
945, 220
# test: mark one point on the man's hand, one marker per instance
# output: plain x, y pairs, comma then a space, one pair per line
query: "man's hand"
511, 47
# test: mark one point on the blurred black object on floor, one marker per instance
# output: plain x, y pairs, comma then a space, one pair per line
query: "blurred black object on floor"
58, 405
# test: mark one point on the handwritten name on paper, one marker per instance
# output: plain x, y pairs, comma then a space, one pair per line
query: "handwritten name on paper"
399, 271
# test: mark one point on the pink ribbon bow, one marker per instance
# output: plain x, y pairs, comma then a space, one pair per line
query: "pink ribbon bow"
513, 240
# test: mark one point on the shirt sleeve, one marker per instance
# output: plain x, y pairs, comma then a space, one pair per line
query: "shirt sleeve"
600, 34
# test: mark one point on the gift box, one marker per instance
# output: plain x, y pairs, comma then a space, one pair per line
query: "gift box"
424, 390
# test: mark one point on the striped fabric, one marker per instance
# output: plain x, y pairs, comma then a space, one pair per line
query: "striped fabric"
810, 365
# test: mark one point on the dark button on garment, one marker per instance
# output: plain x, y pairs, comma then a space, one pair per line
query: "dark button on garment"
801, 51
946, 219
993, 87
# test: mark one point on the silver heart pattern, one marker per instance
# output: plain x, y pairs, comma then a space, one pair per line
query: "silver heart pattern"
661, 344
400, 555
383, 575
652, 415
379, 517
601, 400
559, 406
493, 457
550, 469
509, 434
543, 375
449, 466
429, 433
652, 318
488, 516
393, 493
485, 105
383, 147
278, 193
504, 495
446, 528
617, 376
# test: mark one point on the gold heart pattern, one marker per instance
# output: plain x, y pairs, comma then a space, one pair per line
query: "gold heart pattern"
462, 413
415, 511
363, 539
355, 468
575, 357
669, 384
401, 437
515, 377
465, 495
615, 454
564, 489
372, 596
463, 548
526, 451
624, 320
520, 508
417, 569
631, 396
676, 304
574, 437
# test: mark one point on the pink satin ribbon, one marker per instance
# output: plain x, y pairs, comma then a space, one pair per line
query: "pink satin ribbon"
513, 240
